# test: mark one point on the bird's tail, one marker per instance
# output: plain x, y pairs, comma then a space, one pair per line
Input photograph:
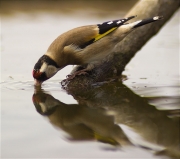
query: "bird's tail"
146, 21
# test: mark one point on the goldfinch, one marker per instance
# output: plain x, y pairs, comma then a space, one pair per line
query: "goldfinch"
85, 46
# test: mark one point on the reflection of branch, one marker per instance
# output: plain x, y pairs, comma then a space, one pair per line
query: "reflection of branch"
134, 111
102, 109
127, 48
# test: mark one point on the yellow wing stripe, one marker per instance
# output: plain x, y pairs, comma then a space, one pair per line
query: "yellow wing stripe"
99, 36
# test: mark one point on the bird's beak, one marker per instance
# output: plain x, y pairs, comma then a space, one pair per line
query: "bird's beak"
37, 83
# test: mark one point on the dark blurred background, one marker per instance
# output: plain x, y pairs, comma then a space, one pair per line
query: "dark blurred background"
102, 6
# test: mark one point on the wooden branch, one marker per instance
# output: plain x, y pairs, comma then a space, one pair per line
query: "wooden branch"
128, 47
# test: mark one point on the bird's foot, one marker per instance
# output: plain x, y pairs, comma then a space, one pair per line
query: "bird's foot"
72, 76
81, 72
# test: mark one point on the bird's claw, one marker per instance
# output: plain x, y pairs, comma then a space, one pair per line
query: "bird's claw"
64, 82
68, 76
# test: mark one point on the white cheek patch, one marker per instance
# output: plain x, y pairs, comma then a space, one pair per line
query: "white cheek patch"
50, 71
49, 104
43, 107
43, 67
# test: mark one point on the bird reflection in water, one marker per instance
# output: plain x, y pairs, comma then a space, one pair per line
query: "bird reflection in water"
80, 121
101, 111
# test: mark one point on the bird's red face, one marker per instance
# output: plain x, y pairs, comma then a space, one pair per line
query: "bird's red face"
39, 77
44, 69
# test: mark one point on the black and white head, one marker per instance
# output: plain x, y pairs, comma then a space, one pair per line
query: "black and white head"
44, 69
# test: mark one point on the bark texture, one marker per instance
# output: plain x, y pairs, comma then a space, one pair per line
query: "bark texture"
128, 47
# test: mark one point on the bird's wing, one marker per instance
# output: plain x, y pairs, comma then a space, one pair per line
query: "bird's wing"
104, 29
81, 37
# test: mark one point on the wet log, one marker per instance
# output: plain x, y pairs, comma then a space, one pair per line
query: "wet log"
128, 47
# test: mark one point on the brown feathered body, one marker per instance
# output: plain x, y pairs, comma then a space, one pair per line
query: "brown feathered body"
68, 52
86, 45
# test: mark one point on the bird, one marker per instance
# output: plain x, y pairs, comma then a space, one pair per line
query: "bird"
84, 46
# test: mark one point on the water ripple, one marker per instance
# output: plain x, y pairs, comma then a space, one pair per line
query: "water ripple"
29, 85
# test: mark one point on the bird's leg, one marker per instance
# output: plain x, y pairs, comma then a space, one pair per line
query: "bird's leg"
80, 72
83, 71
70, 77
